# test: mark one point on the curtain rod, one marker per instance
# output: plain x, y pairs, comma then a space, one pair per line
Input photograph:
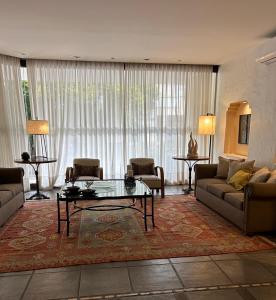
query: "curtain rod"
23, 64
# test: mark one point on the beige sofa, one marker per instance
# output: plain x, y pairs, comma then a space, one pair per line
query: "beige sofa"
253, 210
11, 192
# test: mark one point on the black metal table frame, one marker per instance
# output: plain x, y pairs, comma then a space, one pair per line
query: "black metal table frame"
35, 165
190, 165
105, 207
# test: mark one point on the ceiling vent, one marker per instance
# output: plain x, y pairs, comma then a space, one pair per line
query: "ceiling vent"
268, 58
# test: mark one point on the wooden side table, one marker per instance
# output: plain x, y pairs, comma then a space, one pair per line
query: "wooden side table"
35, 163
190, 161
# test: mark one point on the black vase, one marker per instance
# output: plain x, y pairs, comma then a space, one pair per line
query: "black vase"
25, 156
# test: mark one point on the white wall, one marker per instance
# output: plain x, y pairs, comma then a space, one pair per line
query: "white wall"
243, 78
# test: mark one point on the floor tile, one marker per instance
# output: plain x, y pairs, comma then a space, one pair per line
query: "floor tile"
189, 259
150, 297
154, 277
148, 262
230, 256
53, 285
16, 273
200, 274
104, 281
118, 264
12, 287
244, 271
263, 293
54, 270
212, 295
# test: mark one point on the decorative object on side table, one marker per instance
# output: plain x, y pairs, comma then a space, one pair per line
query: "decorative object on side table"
25, 156
129, 179
192, 147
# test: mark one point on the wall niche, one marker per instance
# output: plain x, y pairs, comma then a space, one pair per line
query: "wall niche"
237, 130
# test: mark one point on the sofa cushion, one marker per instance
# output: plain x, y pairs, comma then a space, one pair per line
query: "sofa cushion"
220, 189
235, 199
223, 167
203, 183
261, 175
235, 166
240, 179
14, 188
5, 197
272, 178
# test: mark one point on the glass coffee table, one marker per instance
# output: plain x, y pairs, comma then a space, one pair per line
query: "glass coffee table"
114, 189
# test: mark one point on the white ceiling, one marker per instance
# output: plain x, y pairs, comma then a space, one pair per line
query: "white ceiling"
168, 31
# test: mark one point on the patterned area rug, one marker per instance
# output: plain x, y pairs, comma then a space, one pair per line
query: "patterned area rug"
184, 227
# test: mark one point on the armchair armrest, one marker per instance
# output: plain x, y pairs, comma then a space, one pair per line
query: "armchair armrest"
100, 173
161, 171
11, 175
260, 191
69, 174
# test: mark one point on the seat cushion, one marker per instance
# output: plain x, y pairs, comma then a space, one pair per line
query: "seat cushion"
14, 188
219, 190
87, 178
152, 181
5, 197
235, 199
203, 183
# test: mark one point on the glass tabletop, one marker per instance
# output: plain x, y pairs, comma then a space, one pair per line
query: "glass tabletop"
106, 189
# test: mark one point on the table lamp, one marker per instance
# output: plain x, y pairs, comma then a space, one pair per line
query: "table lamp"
207, 126
39, 128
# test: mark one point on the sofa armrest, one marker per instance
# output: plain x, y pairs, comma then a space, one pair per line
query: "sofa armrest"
100, 173
205, 171
161, 173
260, 191
11, 175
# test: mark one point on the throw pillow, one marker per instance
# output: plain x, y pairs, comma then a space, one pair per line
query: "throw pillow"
261, 175
235, 166
223, 167
81, 170
240, 179
143, 169
272, 178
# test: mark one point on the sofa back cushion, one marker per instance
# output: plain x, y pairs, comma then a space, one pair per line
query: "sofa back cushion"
223, 166
235, 166
261, 175
81, 170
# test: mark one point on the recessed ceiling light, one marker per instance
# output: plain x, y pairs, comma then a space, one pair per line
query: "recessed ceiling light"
146, 59
76, 57
180, 60
112, 58
244, 102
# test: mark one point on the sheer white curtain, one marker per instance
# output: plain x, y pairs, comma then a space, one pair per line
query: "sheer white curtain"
83, 103
13, 138
162, 104
114, 112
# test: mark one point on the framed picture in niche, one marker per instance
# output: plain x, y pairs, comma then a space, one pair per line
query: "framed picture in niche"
244, 129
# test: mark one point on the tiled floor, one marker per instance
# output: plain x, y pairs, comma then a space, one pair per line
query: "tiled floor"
232, 276
244, 276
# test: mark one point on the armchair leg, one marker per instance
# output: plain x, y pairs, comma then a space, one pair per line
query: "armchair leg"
162, 192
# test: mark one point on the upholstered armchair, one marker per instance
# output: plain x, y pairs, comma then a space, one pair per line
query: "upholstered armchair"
84, 169
152, 176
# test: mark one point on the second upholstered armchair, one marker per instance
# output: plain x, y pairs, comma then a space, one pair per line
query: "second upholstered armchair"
84, 169
152, 176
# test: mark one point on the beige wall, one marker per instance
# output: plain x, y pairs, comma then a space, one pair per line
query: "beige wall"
243, 79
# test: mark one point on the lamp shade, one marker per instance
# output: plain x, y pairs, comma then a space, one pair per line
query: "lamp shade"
207, 124
37, 127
